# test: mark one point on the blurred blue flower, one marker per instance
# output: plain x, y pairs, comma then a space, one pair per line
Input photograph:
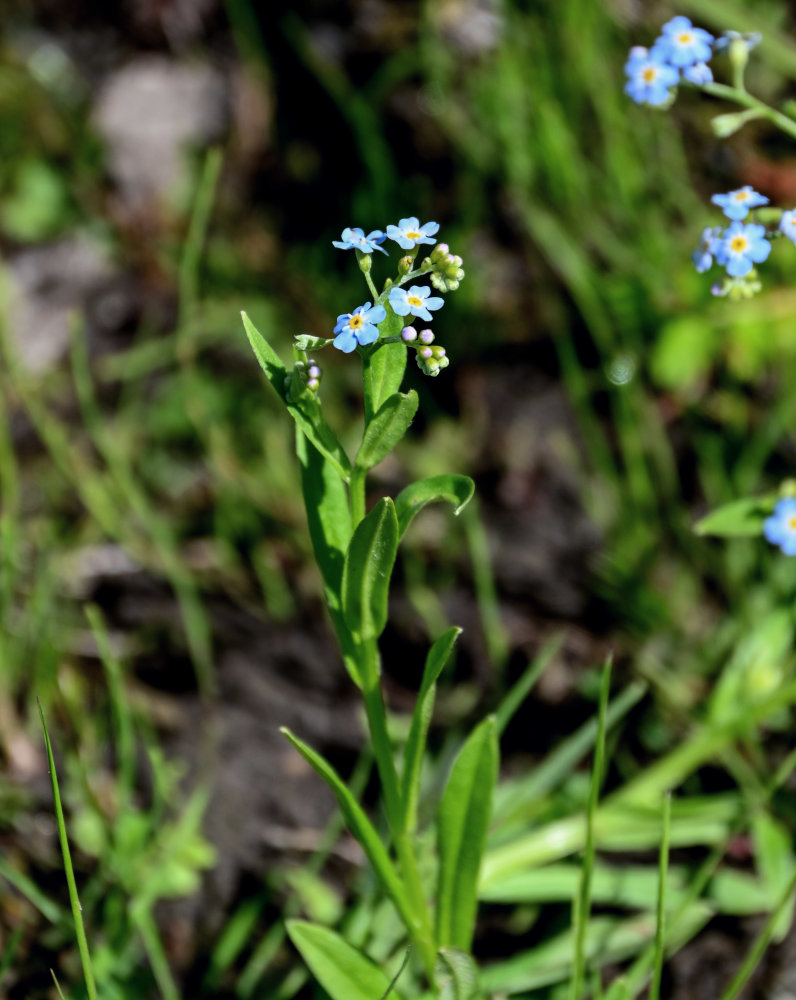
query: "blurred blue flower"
698, 74
742, 247
358, 327
415, 301
707, 249
681, 44
780, 528
750, 40
409, 233
649, 77
355, 239
787, 224
736, 204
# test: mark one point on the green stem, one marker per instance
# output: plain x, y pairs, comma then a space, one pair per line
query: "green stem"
745, 99
420, 932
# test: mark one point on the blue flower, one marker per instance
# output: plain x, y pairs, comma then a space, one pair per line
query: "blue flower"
787, 224
409, 233
780, 528
650, 79
358, 327
355, 239
698, 74
681, 44
736, 204
707, 249
741, 247
415, 301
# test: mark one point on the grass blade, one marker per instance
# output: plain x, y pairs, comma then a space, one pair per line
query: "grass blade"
77, 913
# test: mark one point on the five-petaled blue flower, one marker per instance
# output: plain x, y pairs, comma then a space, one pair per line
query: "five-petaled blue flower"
415, 301
409, 233
707, 249
358, 327
736, 204
649, 77
355, 239
780, 528
742, 247
681, 44
787, 224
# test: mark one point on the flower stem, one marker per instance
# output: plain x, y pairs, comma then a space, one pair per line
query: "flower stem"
420, 932
746, 100
356, 493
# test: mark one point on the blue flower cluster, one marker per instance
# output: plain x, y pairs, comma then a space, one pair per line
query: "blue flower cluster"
741, 245
360, 327
681, 50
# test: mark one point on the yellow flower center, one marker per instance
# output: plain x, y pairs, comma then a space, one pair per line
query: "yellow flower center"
412, 235
739, 243
792, 523
792, 222
649, 73
356, 321
414, 300
685, 38
741, 195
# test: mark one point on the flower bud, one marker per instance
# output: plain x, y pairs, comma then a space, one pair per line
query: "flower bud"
405, 265
364, 262
425, 352
313, 371
408, 334
313, 384
437, 352
426, 336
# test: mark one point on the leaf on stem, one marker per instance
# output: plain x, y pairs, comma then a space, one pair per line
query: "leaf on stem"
361, 827
367, 570
456, 975
389, 424
462, 822
457, 490
421, 718
737, 519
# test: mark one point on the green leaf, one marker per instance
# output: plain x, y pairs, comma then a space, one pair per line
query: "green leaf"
383, 365
304, 342
359, 825
462, 823
305, 409
421, 719
343, 971
328, 514
367, 570
385, 430
455, 489
737, 519
456, 975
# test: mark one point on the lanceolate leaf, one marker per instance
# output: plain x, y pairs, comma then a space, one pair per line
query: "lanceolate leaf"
304, 409
367, 570
737, 519
421, 718
462, 823
343, 971
385, 430
329, 517
383, 365
455, 489
360, 826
